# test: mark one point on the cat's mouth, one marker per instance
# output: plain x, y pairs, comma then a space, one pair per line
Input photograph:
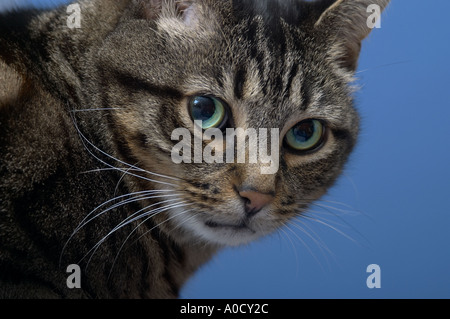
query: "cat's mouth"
242, 226
232, 232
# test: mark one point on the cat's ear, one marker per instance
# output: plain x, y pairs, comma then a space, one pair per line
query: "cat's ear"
346, 23
153, 9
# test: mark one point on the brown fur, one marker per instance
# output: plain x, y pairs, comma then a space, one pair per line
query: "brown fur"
86, 115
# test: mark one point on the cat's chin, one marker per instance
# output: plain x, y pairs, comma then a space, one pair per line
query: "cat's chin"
227, 234
222, 234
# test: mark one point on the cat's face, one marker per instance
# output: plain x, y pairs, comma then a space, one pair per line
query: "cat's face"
212, 63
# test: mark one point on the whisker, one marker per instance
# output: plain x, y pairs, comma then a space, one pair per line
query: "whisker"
329, 208
304, 244
132, 217
127, 172
142, 195
145, 233
98, 170
178, 205
344, 222
85, 139
125, 202
337, 203
98, 109
293, 248
306, 229
352, 183
319, 242
129, 220
331, 227
345, 211
320, 214
121, 179
384, 66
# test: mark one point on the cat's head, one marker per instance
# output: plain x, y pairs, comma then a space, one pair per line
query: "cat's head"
250, 64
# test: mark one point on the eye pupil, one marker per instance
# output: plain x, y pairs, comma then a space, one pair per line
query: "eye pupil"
211, 111
305, 136
304, 131
203, 108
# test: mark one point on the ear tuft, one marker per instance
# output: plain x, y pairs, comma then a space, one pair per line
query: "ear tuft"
346, 24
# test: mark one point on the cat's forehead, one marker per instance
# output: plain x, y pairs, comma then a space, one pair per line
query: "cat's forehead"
270, 68
270, 80
285, 97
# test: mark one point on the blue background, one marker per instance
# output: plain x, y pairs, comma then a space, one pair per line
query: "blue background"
396, 188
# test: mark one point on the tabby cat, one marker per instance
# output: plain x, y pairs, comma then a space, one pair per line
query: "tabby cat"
87, 113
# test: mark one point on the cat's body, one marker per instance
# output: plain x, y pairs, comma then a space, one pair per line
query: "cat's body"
76, 103
46, 192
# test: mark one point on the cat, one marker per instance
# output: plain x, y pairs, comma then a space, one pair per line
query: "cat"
86, 121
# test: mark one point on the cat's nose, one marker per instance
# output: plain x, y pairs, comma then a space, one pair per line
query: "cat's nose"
255, 201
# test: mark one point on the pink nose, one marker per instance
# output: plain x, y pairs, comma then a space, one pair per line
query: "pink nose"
255, 201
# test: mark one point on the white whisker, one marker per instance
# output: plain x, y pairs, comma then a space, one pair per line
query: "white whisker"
293, 248
134, 230
99, 109
127, 172
125, 202
319, 242
320, 214
340, 210
304, 244
129, 220
121, 179
98, 170
85, 139
343, 223
142, 195
331, 227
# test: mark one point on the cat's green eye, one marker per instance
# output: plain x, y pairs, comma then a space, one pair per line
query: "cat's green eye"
306, 136
211, 111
